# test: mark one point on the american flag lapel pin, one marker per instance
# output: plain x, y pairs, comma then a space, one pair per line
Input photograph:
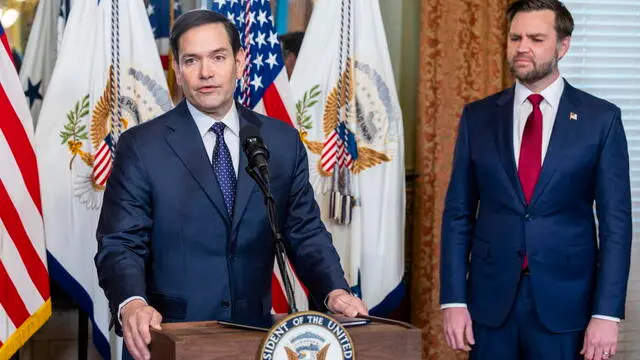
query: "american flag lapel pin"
573, 116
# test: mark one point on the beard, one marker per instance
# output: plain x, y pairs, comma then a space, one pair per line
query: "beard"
539, 71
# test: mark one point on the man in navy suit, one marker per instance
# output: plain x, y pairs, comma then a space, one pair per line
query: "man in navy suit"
184, 233
525, 274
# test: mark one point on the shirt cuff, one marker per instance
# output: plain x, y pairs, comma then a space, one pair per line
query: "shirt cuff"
453, 305
122, 304
602, 317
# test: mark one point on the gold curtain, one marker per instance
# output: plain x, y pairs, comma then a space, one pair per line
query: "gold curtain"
462, 59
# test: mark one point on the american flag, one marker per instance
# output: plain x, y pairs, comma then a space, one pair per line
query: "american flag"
340, 149
25, 303
265, 89
159, 12
103, 161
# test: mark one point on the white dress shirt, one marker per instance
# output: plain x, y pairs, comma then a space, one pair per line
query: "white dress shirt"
231, 132
204, 123
521, 110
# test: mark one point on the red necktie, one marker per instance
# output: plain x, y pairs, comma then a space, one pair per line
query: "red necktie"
530, 161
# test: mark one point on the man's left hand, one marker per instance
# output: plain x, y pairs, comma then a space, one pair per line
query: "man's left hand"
341, 302
600, 340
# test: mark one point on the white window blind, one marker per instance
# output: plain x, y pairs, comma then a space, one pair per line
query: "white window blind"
604, 60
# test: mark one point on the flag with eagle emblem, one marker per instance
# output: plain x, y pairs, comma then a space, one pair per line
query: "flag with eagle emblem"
108, 78
349, 118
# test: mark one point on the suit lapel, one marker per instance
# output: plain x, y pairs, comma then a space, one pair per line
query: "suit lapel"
246, 184
505, 140
186, 142
561, 138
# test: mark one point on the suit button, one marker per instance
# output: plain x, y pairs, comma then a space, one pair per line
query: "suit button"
234, 257
527, 217
225, 304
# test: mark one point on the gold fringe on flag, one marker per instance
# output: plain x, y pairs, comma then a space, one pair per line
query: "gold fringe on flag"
25, 331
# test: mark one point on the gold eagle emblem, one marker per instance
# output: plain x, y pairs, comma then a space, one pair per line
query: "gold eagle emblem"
320, 355
291, 354
99, 126
337, 101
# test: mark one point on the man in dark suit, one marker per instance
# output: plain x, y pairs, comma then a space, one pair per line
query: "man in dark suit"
184, 233
523, 269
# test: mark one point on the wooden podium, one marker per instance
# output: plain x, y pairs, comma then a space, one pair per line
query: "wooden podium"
209, 340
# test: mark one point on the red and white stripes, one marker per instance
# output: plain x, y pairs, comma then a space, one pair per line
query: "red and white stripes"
102, 164
24, 280
335, 151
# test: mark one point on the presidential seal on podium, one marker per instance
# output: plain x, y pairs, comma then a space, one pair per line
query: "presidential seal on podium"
307, 335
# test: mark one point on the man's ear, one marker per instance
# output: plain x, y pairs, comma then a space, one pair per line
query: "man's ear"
563, 47
240, 63
176, 70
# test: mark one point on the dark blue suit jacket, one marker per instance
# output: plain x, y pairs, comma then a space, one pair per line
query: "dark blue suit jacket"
487, 227
165, 234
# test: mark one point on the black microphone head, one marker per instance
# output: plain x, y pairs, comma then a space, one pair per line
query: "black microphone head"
249, 131
253, 146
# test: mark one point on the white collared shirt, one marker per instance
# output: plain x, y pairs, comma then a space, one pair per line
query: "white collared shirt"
522, 108
231, 132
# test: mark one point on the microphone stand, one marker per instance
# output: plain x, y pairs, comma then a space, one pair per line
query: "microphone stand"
270, 203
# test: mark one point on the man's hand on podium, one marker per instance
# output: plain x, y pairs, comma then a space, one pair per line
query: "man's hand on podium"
137, 317
341, 302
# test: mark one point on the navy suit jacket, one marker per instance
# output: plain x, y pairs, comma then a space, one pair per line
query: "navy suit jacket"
165, 234
487, 226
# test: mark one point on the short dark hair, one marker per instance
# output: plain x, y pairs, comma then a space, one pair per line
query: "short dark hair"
193, 19
292, 41
564, 20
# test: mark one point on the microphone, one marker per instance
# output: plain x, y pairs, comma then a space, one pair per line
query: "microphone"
258, 158
255, 149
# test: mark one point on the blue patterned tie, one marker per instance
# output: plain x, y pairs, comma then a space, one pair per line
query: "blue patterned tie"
223, 167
